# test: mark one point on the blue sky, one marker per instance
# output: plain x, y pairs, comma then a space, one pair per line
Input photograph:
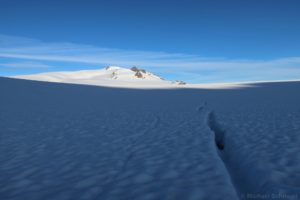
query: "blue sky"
195, 41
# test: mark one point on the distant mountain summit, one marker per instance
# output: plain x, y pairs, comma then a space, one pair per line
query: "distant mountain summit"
113, 76
130, 74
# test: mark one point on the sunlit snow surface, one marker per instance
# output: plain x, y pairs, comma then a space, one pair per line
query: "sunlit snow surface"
114, 76
63, 141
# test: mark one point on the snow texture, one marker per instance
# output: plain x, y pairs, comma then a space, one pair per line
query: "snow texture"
63, 141
114, 76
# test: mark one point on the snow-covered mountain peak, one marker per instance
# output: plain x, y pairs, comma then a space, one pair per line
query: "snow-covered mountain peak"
114, 76
131, 74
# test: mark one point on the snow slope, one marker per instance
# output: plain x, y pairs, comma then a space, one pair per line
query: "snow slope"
62, 141
114, 76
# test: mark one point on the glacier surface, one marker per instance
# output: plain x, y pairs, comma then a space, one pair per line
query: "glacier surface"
64, 141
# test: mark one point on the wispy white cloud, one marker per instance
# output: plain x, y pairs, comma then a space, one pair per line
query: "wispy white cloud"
29, 64
192, 67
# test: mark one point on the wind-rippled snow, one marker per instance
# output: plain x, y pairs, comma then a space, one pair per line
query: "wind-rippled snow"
61, 141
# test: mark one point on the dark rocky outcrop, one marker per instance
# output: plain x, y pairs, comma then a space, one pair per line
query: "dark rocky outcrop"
138, 72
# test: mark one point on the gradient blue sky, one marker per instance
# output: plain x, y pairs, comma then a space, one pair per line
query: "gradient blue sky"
196, 41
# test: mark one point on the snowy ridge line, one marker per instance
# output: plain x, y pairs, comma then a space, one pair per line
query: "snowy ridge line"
127, 159
111, 76
120, 77
219, 140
